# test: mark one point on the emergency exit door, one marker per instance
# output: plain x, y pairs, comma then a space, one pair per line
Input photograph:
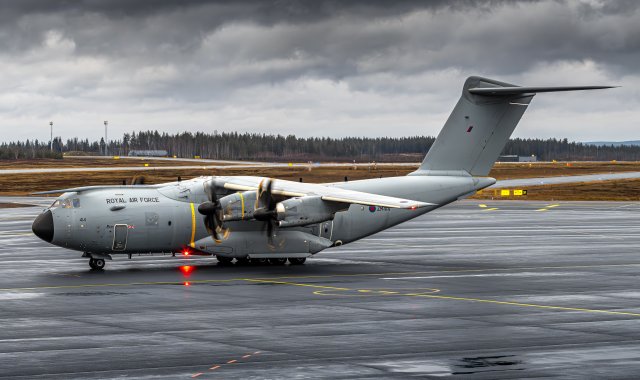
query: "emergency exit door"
120, 232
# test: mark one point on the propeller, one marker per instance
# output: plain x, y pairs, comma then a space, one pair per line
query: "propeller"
213, 217
265, 209
135, 180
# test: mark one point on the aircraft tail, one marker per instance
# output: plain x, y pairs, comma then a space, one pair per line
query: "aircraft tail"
480, 126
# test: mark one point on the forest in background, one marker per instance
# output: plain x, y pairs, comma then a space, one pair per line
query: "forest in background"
253, 146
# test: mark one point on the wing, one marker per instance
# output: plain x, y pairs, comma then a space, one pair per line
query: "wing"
327, 193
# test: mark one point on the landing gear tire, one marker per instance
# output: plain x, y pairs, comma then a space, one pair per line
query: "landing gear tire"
277, 261
243, 261
96, 264
224, 260
297, 260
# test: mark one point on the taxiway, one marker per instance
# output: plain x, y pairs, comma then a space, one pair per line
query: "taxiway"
494, 289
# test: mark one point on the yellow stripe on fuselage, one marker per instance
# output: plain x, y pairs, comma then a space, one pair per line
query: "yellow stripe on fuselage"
241, 205
192, 243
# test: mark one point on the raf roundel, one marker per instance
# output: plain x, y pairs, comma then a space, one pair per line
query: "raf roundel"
372, 208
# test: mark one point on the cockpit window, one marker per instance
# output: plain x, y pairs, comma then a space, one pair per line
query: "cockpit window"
66, 203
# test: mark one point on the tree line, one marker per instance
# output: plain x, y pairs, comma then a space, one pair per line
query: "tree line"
254, 146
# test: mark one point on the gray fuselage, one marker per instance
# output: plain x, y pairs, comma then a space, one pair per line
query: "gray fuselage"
164, 218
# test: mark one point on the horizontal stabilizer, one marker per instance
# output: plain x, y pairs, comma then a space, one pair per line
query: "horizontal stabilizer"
504, 91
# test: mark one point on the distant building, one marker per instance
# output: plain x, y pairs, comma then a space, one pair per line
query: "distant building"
515, 158
531, 158
148, 153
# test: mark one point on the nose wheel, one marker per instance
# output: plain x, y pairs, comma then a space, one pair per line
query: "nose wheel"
96, 264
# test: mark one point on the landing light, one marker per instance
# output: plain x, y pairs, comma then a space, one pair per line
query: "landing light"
186, 269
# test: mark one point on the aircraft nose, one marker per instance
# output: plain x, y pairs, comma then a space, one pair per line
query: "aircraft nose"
43, 226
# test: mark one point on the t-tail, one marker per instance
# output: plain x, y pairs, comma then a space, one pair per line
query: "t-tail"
480, 126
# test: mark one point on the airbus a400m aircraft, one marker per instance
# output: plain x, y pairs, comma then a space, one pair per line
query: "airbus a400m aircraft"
253, 218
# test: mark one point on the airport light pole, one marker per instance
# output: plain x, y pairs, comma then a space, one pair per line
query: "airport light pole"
51, 138
106, 149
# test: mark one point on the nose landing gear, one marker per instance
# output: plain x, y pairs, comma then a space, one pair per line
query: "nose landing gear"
97, 260
96, 264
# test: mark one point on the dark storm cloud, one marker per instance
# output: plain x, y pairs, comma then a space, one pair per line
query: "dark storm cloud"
346, 36
182, 55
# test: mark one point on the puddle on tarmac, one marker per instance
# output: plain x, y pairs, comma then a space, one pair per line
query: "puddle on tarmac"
463, 366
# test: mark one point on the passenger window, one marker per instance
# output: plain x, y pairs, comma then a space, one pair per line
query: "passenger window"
76, 202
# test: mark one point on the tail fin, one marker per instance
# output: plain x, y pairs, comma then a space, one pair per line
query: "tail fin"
480, 125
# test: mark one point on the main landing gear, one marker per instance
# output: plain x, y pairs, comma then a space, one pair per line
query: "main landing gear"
297, 260
261, 261
279, 261
96, 264
224, 260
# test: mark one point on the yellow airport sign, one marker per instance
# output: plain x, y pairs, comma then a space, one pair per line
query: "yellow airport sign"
116, 157
505, 192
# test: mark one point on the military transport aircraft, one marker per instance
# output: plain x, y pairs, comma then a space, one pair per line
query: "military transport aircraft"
262, 219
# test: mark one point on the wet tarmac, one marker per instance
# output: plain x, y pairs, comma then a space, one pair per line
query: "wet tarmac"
482, 290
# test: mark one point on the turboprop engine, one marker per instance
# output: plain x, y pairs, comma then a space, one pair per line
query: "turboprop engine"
306, 210
238, 206
289, 213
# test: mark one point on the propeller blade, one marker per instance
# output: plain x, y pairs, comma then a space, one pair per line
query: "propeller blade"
270, 230
213, 214
266, 208
137, 180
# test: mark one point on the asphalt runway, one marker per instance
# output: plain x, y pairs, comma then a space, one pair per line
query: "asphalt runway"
483, 290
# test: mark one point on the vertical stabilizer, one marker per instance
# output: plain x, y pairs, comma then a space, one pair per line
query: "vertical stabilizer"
477, 130
480, 126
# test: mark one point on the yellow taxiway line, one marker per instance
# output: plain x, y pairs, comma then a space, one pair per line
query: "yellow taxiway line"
547, 208
455, 298
367, 292
279, 279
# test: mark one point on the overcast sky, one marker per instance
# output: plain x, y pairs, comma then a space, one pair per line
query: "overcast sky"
314, 68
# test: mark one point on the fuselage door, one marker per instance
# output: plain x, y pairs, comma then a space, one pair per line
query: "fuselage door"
120, 232
326, 229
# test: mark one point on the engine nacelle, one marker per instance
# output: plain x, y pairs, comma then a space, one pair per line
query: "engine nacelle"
307, 210
238, 206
